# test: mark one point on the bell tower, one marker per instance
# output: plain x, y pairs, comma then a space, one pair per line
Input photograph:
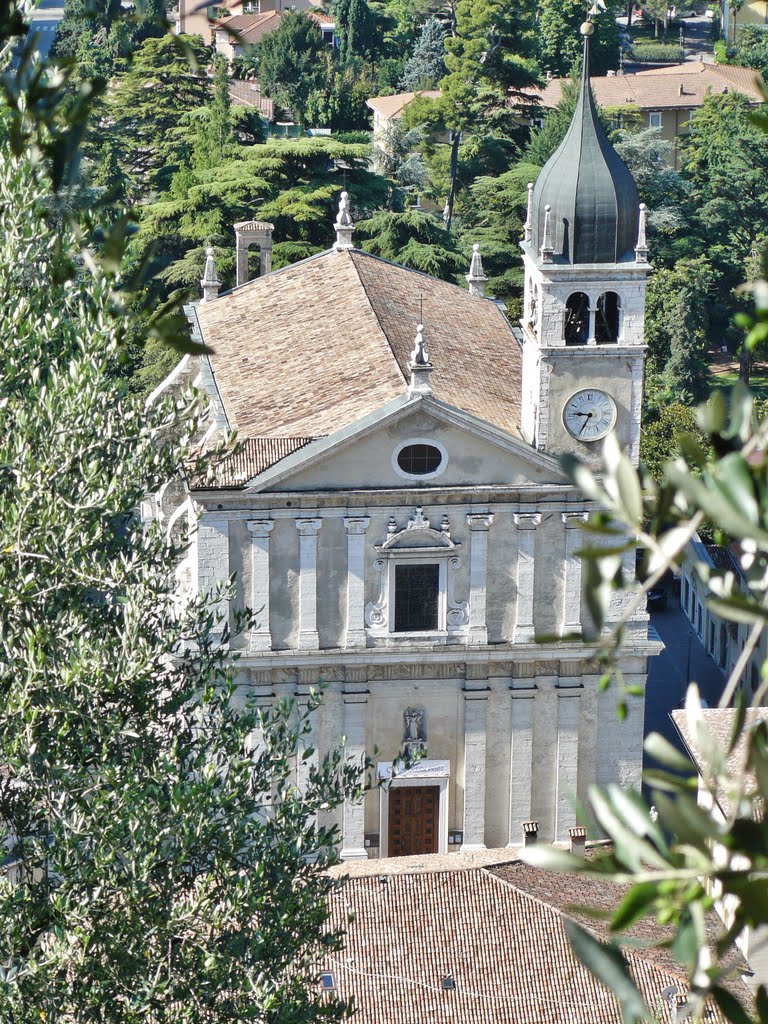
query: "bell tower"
586, 264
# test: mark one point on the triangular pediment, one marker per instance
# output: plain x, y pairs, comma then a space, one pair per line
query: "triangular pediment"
366, 456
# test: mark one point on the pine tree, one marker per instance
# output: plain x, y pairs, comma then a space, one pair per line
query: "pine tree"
489, 60
426, 66
561, 44
214, 128
148, 105
290, 62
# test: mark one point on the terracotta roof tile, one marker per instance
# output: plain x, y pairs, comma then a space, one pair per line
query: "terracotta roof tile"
504, 949
312, 348
249, 94
657, 89
253, 27
393, 106
250, 457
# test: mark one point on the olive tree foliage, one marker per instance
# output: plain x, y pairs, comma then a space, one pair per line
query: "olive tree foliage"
168, 834
673, 857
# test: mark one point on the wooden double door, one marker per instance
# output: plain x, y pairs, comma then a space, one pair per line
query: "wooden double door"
414, 814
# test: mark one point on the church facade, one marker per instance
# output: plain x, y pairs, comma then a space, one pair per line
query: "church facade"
397, 518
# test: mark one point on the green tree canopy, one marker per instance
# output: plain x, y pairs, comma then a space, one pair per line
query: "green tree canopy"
290, 62
561, 43
147, 107
426, 65
489, 60
171, 861
413, 239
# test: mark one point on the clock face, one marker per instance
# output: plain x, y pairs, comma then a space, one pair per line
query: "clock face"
589, 415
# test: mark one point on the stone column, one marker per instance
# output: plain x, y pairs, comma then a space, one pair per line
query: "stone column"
241, 264
475, 706
309, 639
356, 527
261, 638
571, 610
592, 340
265, 258
521, 761
213, 566
353, 839
479, 524
526, 524
567, 759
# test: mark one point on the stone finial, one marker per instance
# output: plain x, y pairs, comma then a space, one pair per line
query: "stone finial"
528, 226
476, 278
420, 366
343, 226
547, 250
641, 249
210, 282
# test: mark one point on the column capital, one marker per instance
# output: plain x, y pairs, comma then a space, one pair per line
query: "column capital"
526, 520
573, 520
479, 520
308, 527
260, 527
357, 524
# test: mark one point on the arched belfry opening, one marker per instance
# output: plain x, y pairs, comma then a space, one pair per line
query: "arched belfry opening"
608, 318
577, 319
248, 233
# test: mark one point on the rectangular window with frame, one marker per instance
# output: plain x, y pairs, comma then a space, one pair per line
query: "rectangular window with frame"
417, 597
654, 119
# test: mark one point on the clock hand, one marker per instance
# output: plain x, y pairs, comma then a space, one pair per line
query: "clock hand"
589, 417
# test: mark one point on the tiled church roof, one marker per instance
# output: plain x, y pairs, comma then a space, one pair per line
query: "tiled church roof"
314, 347
249, 458
495, 933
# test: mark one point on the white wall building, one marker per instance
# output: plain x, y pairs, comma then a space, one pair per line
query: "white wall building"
398, 519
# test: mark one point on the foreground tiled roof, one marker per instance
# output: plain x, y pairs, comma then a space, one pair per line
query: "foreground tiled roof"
679, 86
393, 106
316, 346
503, 947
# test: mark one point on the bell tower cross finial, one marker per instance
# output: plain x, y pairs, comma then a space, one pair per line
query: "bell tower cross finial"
420, 366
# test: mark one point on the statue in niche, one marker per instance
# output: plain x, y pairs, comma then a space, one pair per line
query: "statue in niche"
534, 307
415, 738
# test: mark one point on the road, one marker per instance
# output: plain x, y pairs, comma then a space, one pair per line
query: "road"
684, 658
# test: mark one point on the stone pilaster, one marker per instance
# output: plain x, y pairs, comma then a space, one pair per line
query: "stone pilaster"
475, 708
567, 759
309, 639
521, 761
526, 524
261, 637
574, 538
353, 840
479, 524
213, 566
356, 527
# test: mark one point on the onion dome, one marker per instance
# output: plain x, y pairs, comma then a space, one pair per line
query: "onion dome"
588, 191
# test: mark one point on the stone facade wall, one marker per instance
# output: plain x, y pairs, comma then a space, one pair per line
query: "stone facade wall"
516, 729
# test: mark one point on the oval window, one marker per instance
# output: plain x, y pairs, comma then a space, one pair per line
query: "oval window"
419, 459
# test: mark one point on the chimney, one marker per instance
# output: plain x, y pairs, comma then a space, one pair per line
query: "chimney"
248, 233
578, 838
530, 832
682, 90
